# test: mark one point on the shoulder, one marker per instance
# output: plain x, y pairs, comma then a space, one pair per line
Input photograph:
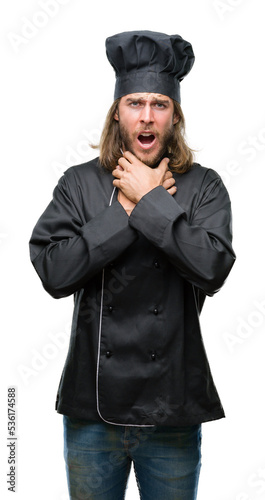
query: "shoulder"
198, 171
199, 176
198, 185
90, 172
88, 169
87, 180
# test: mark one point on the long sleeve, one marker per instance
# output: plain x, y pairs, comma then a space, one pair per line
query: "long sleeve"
198, 241
67, 251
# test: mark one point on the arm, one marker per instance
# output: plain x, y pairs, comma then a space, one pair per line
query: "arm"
66, 251
200, 249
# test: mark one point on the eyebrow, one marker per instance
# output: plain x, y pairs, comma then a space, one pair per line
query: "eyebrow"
155, 99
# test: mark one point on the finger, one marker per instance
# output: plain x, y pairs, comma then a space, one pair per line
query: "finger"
123, 163
117, 172
132, 159
172, 190
168, 183
163, 165
116, 183
129, 156
168, 175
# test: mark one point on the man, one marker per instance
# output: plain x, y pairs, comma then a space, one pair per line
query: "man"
140, 236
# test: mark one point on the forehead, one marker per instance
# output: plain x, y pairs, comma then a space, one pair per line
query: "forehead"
146, 96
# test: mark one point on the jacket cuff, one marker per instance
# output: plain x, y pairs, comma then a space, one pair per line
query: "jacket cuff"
109, 231
154, 212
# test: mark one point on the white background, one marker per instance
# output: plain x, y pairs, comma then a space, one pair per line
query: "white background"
56, 87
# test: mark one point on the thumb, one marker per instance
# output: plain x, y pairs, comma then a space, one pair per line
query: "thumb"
163, 165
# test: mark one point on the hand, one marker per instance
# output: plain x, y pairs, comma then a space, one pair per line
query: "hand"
169, 183
135, 179
127, 204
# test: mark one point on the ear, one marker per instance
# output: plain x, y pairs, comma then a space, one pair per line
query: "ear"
175, 118
116, 116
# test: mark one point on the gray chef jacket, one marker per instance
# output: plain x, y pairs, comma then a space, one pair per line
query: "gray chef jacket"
136, 354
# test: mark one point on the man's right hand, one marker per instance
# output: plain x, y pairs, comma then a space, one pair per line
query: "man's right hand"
168, 184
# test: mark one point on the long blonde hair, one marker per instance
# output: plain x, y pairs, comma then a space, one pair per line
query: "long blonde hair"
179, 153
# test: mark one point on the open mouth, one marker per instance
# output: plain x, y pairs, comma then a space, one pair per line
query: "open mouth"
146, 139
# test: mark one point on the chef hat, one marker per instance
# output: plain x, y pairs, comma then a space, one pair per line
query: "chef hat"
147, 61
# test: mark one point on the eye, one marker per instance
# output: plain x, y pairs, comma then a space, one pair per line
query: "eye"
159, 105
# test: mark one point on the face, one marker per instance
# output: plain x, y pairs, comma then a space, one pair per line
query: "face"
146, 122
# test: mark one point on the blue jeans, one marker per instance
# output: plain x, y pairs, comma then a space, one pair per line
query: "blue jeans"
98, 459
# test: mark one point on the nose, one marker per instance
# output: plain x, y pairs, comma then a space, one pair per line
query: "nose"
147, 114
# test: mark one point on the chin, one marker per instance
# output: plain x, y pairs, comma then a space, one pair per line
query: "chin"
149, 159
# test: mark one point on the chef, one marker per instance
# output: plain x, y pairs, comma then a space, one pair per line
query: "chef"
139, 236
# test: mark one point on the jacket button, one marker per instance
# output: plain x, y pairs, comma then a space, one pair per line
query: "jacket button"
153, 356
156, 311
156, 264
108, 354
110, 309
